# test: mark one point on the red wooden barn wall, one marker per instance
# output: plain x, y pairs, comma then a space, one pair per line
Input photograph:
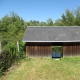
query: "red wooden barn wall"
71, 49
34, 49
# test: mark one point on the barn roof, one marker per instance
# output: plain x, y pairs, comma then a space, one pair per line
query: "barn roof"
52, 34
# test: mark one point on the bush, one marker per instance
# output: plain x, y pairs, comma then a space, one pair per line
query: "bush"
6, 60
10, 55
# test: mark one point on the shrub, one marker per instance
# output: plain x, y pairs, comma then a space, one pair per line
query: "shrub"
10, 55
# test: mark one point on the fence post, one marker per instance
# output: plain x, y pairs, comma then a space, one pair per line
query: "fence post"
18, 46
0, 47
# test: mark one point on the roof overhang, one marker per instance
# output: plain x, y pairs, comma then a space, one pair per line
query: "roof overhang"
52, 41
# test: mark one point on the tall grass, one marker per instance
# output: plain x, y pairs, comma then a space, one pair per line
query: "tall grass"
46, 69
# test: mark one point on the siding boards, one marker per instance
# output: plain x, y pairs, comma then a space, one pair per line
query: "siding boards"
71, 49
38, 49
44, 49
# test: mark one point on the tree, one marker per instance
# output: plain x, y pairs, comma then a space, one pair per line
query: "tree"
12, 26
68, 18
58, 22
64, 19
77, 16
43, 24
35, 23
50, 22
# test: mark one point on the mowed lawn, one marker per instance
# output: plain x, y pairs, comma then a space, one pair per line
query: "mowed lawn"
45, 69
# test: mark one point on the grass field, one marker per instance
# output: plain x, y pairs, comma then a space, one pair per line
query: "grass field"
45, 69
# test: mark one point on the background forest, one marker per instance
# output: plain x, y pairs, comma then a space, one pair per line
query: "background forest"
12, 28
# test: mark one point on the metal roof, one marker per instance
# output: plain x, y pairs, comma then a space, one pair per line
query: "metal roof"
52, 34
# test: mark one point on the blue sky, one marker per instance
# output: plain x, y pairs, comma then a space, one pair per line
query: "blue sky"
39, 10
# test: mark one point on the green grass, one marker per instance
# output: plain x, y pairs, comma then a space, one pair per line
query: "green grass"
45, 69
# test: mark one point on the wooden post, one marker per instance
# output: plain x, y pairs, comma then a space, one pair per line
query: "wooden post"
18, 46
0, 47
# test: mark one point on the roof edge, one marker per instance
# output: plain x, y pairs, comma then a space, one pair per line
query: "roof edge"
52, 41
53, 26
